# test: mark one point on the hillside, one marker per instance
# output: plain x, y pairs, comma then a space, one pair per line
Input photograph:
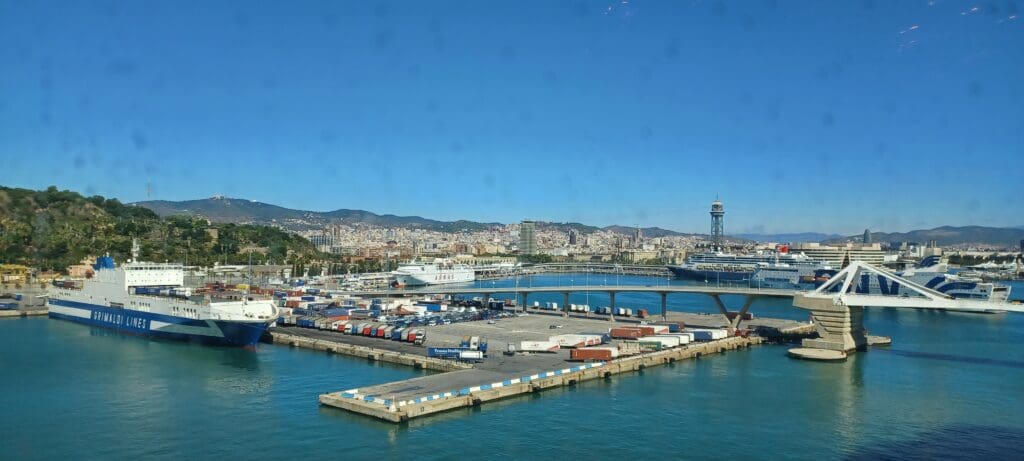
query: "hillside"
950, 235
796, 237
233, 210
52, 229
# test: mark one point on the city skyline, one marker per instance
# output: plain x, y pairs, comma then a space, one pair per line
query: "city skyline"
637, 117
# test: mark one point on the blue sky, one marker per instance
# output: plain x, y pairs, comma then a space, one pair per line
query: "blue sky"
817, 116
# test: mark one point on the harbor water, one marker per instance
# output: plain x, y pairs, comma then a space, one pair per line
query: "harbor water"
950, 386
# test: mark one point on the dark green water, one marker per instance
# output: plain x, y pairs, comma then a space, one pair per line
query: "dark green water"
951, 386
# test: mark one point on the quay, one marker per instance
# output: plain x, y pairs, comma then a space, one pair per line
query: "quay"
500, 375
5, 314
403, 400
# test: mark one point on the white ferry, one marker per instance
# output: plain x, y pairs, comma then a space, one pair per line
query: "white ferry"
436, 273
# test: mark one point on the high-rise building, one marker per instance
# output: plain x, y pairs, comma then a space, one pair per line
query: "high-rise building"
638, 237
527, 238
717, 224
573, 237
867, 236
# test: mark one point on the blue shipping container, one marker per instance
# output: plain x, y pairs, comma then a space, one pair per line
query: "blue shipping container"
308, 298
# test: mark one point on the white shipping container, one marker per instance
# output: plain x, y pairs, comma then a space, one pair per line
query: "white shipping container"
539, 346
665, 341
659, 329
571, 340
706, 334
679, 340
684, 338
471, 355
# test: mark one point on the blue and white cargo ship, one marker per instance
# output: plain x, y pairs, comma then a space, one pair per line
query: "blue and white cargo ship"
150, 299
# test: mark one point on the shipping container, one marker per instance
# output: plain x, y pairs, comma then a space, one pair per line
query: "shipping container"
593, 354
539, 346
642, 313
405, 334
625, 333
701, 334
650, 346
571, 340
659, 329
666, 341
471, 356
605, 337
684, 338
396, 334
308, 298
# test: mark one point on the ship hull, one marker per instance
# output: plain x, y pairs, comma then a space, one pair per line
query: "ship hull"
433, 279
708, 275
212, 332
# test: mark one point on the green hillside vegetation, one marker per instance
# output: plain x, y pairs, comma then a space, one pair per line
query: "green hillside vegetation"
53, 229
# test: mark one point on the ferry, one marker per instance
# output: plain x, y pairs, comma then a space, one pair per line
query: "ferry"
149, 299
436, 273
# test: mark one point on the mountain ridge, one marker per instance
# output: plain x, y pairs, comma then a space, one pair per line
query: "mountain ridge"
225, 209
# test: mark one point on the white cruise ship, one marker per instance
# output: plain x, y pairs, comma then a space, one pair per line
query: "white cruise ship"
435, 273
148, 299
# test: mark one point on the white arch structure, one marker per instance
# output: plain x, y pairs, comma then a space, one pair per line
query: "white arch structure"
838, 308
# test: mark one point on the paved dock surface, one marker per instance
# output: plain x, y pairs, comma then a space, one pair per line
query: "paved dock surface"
499, 375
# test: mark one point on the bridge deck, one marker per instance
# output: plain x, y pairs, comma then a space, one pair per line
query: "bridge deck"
707, 290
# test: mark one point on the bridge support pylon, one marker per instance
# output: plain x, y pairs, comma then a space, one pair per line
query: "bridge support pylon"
611, 302
840, 327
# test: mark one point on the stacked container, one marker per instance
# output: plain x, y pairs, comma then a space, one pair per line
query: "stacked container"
594, 354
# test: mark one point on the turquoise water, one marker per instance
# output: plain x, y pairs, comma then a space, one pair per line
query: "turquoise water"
952, 385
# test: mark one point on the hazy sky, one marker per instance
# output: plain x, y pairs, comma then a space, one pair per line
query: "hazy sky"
817, 116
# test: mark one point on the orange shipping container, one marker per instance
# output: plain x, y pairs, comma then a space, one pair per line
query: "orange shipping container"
626, 333
590, 354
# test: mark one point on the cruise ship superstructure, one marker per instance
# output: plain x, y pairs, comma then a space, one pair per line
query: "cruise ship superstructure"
149, 299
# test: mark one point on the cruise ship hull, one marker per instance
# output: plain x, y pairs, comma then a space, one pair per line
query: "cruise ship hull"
687, 273
213, 332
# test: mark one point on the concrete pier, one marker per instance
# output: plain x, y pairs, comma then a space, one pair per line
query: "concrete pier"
404, 400
840, 327
369, 353
23, 313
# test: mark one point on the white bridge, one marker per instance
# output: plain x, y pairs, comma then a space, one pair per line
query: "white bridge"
838, 305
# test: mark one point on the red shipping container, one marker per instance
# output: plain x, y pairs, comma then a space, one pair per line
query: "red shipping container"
380, 332
412, 337
627, 333
647, 331
367, 330
590, 354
